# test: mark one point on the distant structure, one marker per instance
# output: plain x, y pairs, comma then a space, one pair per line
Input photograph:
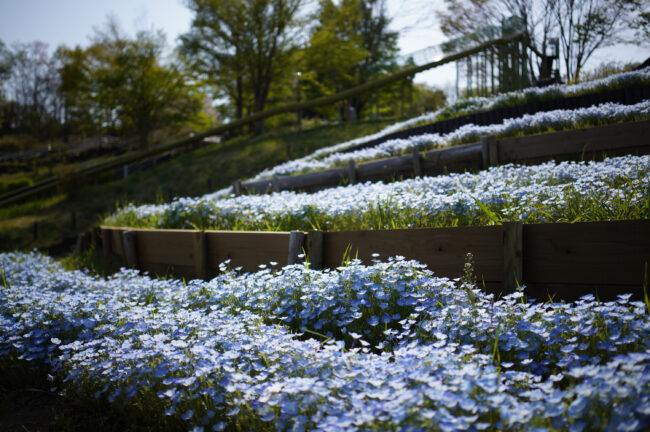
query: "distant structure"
499, 68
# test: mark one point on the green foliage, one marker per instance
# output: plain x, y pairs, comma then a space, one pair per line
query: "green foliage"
241, 49
122, 82
350, 44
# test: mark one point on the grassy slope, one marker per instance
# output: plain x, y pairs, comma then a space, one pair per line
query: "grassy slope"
216, 165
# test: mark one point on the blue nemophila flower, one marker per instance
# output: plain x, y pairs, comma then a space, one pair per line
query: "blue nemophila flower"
509, 190
213, 352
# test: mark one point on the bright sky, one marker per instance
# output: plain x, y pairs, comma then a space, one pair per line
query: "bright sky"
71, 22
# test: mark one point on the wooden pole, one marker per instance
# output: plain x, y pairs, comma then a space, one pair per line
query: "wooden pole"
200, 251
236, 187
296, 245
130, 249
489, 151
512, 256
493, 150
106, 243
95, 237
315, 249
352, 173
417, 162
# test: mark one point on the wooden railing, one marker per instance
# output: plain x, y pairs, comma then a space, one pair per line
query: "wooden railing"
558, 259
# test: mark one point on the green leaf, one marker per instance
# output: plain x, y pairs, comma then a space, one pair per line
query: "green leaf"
494, 217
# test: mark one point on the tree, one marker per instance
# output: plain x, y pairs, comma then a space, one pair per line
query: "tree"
582, 25
125, 87
79, 108
350, 44
242, 47
640, 23
586, 25
335, 49
427, 99
5, 66
31, 85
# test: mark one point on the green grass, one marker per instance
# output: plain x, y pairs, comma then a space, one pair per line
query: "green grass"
194, 173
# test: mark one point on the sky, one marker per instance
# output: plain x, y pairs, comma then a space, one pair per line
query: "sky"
72, 22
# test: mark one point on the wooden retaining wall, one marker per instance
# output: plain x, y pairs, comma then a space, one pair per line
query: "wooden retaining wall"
578, 144
627, 96
561, 260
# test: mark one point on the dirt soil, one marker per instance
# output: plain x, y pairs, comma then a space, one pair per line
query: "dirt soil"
36, 410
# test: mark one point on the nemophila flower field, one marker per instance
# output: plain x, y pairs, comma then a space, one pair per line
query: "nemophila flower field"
387, 346
537, 94
616, 188
479, 104
528, 124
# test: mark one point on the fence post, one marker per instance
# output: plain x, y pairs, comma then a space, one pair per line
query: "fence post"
106, 243
95, 237
417, 162
512, 256
236, 187
485, 151
82, 242
352, 173
296, 244
130, 249
493, 150
200, 250
315, 249
276, 184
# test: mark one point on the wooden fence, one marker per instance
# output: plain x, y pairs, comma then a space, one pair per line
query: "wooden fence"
591, 143
559, 259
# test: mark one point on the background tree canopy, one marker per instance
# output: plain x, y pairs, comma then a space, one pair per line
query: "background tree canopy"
582, 26
245, 56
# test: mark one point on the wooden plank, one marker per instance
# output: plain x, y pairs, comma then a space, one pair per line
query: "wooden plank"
316, 180
247, 249
454, 158
200, 254
170, 247
633, 136
597, 253
257, 187
442, 249
296, 246
385, 168
315, 249
512, 256
130, 249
